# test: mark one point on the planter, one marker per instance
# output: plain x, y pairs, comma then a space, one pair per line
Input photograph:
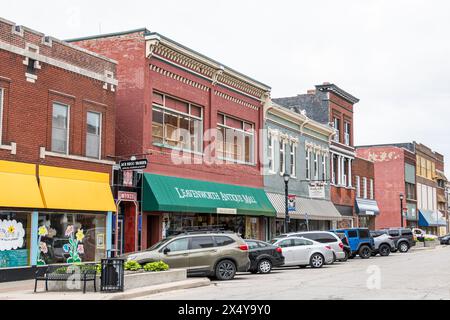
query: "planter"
132, 280
431, 244
419, 244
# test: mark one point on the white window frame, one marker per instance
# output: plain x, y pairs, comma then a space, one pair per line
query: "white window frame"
308, 164
371, 189
338, 133
68, 127
282, 153
316, 166
100, 119
271, 148
293, 159
347, 133
324, 168
2, 99
364, 187
358, 186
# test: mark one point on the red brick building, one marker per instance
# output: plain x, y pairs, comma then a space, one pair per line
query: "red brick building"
395, 183
163, 87
57, 116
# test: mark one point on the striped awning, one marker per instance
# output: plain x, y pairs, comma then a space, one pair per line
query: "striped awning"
316, 209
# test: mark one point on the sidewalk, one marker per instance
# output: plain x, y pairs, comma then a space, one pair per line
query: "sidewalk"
23, 290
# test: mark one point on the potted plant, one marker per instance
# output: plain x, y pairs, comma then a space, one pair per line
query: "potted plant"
430, 242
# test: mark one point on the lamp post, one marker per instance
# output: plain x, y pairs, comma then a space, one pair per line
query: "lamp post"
286, 190
401, 209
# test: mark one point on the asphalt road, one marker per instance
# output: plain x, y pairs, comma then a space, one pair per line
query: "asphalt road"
418, 274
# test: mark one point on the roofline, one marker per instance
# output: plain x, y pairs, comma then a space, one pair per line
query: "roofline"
108, 35
342, 93
393, 145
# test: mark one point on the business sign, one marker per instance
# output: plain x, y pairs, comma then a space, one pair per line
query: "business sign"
11, 235
316, 191
133, 164
226, 211
126, 196
291, 202
211, 195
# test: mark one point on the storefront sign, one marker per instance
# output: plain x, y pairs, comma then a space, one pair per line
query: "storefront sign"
133, 164
126, 196
226, 211
13, 258
370, 213
11, 235
291, 203
316, 191
198, 194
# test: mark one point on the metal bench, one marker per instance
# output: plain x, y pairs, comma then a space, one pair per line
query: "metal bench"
65, 273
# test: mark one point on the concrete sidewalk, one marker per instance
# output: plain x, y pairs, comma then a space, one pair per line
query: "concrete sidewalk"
23, 290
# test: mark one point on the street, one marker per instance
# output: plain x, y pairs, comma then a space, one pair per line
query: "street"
418, 274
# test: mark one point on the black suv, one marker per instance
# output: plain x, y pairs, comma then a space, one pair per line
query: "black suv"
403, 238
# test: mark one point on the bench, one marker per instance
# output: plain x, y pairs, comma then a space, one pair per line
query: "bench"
66, 273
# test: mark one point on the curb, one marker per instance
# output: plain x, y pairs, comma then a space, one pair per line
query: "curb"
142, 292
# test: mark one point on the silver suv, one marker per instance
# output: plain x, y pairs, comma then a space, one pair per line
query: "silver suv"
383, 243
213, 254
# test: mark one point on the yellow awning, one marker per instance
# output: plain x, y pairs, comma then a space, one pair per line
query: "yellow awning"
70, 189
18, 185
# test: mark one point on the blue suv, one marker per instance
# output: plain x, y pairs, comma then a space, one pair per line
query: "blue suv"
360, 241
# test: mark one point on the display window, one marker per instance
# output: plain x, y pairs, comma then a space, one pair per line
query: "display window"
14, 239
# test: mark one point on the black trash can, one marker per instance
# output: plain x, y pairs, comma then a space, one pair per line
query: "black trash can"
112, 276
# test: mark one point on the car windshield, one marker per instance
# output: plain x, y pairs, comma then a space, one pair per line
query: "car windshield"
158, 244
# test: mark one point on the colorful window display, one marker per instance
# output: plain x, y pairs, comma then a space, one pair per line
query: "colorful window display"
14, 239
70, 238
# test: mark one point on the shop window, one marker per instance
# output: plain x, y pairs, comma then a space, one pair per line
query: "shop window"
71, 238
177, 124
15, 239
60, 128
235, 140
93, 134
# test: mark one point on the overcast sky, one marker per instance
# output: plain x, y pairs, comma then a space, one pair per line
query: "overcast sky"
393, 55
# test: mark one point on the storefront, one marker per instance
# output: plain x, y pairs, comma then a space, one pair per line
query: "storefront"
172, 205
309, 214
432, 222
65, 218
367, 210
347, 216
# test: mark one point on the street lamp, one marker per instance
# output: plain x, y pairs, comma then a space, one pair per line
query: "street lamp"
401, 209
286, 218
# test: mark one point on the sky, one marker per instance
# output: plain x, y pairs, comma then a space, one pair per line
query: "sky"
392, 55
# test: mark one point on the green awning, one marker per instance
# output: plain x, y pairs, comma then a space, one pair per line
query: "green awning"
170, 194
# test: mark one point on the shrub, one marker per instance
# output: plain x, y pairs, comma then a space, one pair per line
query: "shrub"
156, 266
429, 239
132, 266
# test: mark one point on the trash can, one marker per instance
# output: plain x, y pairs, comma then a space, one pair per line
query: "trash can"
112, 276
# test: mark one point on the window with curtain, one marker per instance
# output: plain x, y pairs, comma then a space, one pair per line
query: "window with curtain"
60, 128
93, 134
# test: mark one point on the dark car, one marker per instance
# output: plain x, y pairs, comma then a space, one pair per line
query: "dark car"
403, 238
263, 256
445, 239
345, 243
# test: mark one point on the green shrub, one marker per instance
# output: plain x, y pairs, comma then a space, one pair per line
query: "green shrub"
132, 266
156, 266
429, 239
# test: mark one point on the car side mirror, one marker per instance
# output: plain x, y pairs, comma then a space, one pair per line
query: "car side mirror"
166, 250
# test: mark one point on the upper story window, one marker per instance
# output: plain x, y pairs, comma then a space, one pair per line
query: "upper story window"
177, 124
337, 126
324, 168
60, 128
371, 189
358, 187
293, 159
235, 140
93, 134
316, 166
282, 157
347, 133
364, 187
308, 164
2, 93
270, 152
411, 191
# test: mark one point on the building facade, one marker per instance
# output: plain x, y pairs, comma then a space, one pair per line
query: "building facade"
299, 147
395, 183
197, 122
57, 115
329, 104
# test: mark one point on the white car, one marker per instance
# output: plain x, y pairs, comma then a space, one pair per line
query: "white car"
419, 233
299, 251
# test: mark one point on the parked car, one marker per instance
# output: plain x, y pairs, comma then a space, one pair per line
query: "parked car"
360, 241
345, 243
263, 256
299, 251
324, 237
420, 234
383, 243
403, 238
445, 239
213, 254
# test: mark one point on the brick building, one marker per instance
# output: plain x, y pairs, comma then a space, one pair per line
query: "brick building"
331, 105
57, 115
366, 206
165, 87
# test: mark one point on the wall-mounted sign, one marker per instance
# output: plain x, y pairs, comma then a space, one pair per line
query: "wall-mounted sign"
316, 191
126, 196
133, 164
226, 211
291, 202
11, 235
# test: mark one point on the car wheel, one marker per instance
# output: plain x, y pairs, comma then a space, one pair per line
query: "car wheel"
364, 252
385, 250
403, 247
264, 266
225, 270
316, 260
345, 256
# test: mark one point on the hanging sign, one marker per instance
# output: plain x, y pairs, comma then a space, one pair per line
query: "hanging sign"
126, 196
11, 235
291, 203
316, 191
133, 164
